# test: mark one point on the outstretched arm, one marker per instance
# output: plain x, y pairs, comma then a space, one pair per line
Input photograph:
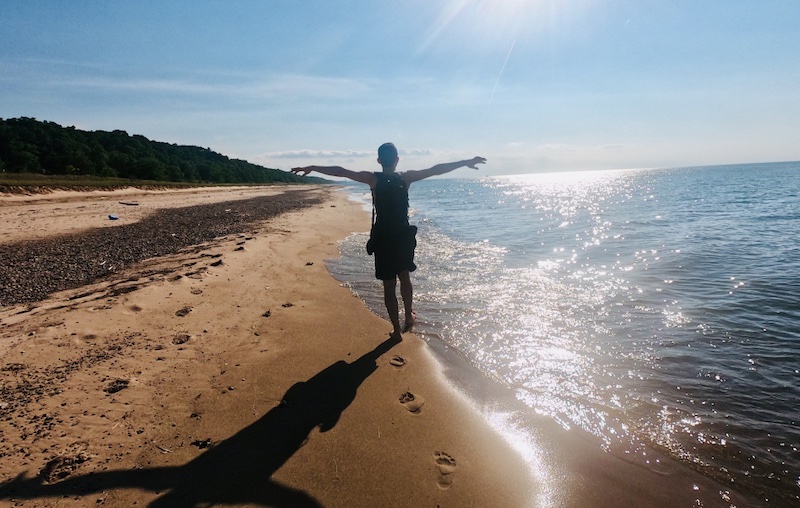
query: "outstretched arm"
358, 176
440, 169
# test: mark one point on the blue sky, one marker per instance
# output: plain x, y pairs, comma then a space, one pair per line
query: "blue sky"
533, 85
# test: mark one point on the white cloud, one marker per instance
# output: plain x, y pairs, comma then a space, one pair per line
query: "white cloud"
416, 152
76, 75
318, 154
290, 85
341, 154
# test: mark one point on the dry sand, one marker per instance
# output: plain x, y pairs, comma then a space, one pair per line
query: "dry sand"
256, 381
240, 373
34, 216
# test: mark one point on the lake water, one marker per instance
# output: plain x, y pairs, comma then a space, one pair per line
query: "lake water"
653, 309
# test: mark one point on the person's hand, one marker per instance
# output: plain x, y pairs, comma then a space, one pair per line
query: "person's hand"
476, 160
305, 171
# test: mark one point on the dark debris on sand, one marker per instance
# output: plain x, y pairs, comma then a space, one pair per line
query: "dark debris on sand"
32, 270
116, 386
60, 467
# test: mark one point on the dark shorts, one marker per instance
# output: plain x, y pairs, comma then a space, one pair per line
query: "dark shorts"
395, 257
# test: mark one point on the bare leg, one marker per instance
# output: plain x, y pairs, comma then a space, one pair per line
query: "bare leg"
407, 292
390, 299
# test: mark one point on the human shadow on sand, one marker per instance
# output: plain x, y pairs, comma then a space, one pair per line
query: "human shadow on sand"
239, 469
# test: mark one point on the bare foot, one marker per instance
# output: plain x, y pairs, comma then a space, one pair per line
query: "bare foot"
410, 320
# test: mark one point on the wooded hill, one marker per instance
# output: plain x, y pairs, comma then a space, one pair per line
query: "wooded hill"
28, 145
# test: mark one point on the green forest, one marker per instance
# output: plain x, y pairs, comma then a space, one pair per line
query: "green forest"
28, 145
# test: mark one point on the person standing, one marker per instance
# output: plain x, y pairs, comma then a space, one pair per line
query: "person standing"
392, 238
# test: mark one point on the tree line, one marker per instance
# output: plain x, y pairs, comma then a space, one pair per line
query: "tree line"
28, 145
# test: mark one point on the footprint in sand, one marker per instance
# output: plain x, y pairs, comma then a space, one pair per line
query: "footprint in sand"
181, 338
397, 361
412, 402
446, 466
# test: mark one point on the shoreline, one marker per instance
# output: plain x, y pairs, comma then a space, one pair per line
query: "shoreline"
204, 380
571, 467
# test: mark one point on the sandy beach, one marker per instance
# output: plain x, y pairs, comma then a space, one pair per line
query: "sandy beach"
231, 369
240, 373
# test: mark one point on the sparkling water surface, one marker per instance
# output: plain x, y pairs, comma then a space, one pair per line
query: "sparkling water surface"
653, 309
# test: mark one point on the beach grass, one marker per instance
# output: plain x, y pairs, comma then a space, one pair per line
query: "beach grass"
27, 183
34, 183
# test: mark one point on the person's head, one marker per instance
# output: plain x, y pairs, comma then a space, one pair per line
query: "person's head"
387, 157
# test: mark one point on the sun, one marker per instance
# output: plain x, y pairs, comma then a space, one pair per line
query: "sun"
505, 20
